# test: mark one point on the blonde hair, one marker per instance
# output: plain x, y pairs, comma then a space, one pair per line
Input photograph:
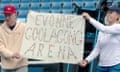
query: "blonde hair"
118, 20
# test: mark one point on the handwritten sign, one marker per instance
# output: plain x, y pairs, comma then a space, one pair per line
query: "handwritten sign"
54, 37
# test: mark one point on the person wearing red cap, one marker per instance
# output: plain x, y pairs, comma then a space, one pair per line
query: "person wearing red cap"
108, 42
11, 34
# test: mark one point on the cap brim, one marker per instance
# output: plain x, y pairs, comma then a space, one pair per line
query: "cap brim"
111, 8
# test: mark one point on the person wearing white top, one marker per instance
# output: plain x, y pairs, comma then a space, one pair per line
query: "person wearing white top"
108, 42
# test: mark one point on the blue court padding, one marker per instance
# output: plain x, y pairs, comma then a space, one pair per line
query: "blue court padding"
36, 69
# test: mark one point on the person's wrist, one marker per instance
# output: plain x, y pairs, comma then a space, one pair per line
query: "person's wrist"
88, 18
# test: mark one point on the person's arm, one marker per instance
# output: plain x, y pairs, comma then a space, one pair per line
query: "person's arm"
95, 52
113, 29
3, 51
7, 53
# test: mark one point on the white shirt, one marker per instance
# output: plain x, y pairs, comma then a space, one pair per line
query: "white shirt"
108, 44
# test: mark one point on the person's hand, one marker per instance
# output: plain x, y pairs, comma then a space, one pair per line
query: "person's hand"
86, 15
83, 63
16, 55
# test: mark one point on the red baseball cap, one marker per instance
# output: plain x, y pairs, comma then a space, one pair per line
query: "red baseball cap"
9, 9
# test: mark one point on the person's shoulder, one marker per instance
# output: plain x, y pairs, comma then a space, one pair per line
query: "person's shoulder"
117, 25
21, 23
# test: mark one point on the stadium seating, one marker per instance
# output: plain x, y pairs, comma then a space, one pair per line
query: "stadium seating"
45, 7
24, 6
2, 5
56, 11
116, 2
17, 5
22, 13
67, 0
1, 17
15, 1
45, 1
89, 5
35, 1
5, 1
56, 0
67, 11
35, 6
25, 1
58, 6
67, 5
